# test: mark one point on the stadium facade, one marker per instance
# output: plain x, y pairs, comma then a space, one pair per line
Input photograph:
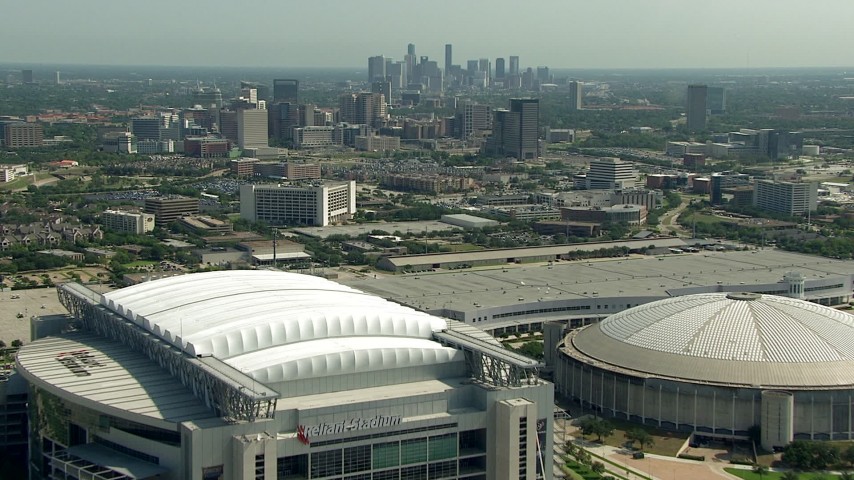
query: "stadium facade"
718, 364
268, 375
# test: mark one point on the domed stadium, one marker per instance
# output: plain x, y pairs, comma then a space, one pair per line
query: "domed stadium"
718, 364
265, 374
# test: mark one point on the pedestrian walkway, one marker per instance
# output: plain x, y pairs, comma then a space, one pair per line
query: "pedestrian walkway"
657, 467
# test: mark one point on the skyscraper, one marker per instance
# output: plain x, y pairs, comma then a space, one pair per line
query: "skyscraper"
286, 90
529, 127
499, 69
696, 107
575, 95
448, 57
376, 68
27, 76
384, 87
514, 65
252, 128
410, 49
516, 131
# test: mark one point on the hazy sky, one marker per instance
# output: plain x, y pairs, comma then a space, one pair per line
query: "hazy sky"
342, 33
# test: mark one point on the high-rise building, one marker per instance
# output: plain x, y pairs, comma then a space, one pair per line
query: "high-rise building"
396, 74
317, 205
483, 65
56, 78
610, 174
27, 76
146, 128
262, 89
286, 90
208, 98
252, 128
382, 86
516, 131
576, 95
544, 75
499, 69
514, 65
790, 198
472, 119
410, 49
376, 68
362, 108
696, 107
529, 128
448, 57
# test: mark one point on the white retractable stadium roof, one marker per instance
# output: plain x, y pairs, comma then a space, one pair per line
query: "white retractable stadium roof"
277, 326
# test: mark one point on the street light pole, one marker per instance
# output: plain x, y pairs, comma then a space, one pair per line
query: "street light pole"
275, 236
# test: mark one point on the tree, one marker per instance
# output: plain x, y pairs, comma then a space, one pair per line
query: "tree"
846, 475
848, 455
17, 343
790, 475
804, 455
596, 426
760, 470
641, 436
598, 467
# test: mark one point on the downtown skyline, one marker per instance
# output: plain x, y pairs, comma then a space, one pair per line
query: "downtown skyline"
607, 34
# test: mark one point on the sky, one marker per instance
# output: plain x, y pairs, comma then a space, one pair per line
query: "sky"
343, 33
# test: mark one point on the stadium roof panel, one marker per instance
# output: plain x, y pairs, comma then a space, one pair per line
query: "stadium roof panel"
104, 372
767, 341
262, 322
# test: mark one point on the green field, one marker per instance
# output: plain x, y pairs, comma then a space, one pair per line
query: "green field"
23, 181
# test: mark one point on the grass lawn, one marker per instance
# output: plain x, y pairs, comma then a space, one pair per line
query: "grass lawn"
700, 218
666, 442
17, 183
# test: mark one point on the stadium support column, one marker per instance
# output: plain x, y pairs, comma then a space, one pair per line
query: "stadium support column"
254, 456
777, 422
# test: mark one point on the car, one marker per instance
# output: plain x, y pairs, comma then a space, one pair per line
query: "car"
19, 315
15, 297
